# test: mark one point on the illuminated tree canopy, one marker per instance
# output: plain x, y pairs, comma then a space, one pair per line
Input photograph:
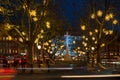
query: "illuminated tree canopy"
31, 21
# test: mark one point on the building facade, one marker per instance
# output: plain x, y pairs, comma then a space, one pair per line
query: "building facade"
9, 47
112, 51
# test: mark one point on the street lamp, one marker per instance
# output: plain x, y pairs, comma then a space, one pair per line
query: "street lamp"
93, 48
39, 47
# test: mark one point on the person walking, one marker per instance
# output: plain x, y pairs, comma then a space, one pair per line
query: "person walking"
5, 63
15, 63
48, 64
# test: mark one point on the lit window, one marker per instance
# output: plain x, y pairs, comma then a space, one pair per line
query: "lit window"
10, 51
111, 53
3, 38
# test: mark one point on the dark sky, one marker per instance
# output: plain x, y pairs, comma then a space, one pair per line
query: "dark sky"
72, 9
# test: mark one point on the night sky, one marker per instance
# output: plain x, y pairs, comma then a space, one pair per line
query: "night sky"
72, 8
75, 8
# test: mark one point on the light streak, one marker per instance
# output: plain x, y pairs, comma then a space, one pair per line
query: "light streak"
90, 76
6, 76
67, 68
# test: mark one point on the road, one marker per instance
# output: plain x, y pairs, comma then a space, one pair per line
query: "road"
64, 73
75, 74
63, 77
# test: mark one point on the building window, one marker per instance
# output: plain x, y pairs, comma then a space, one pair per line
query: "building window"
3, 38
16, 51
111, 53
7, 38
115, 54
10, 51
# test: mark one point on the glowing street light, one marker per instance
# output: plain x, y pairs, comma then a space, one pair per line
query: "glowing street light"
42, 31
83, 27
92, 16
86, 39
78, 48
92, 48
74, 42
95, 42
111, 15
10, 38
96, 30
48, 24
1, 9
99, 13
50, 41
110, 31
83, 37
39, 47
90, 33
85, 44
107, 17
20, 39
32, 12
23, 33
93, 38
35, 19
102, 45
115, 22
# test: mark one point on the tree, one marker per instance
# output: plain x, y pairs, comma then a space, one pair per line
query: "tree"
99, 28
32, 21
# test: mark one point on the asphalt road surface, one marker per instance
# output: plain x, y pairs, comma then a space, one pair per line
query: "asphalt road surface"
60, 77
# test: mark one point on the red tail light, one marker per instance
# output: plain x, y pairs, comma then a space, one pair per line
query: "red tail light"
7, 71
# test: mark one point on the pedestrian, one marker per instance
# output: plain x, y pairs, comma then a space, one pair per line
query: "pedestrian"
39, 62
23, 64
48, 64
15, 63
5, 63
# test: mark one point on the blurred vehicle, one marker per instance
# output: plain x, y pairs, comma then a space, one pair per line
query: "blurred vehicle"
6, 73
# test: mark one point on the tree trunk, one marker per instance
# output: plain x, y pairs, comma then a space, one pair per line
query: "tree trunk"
98, 56
99, 65
30, 57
